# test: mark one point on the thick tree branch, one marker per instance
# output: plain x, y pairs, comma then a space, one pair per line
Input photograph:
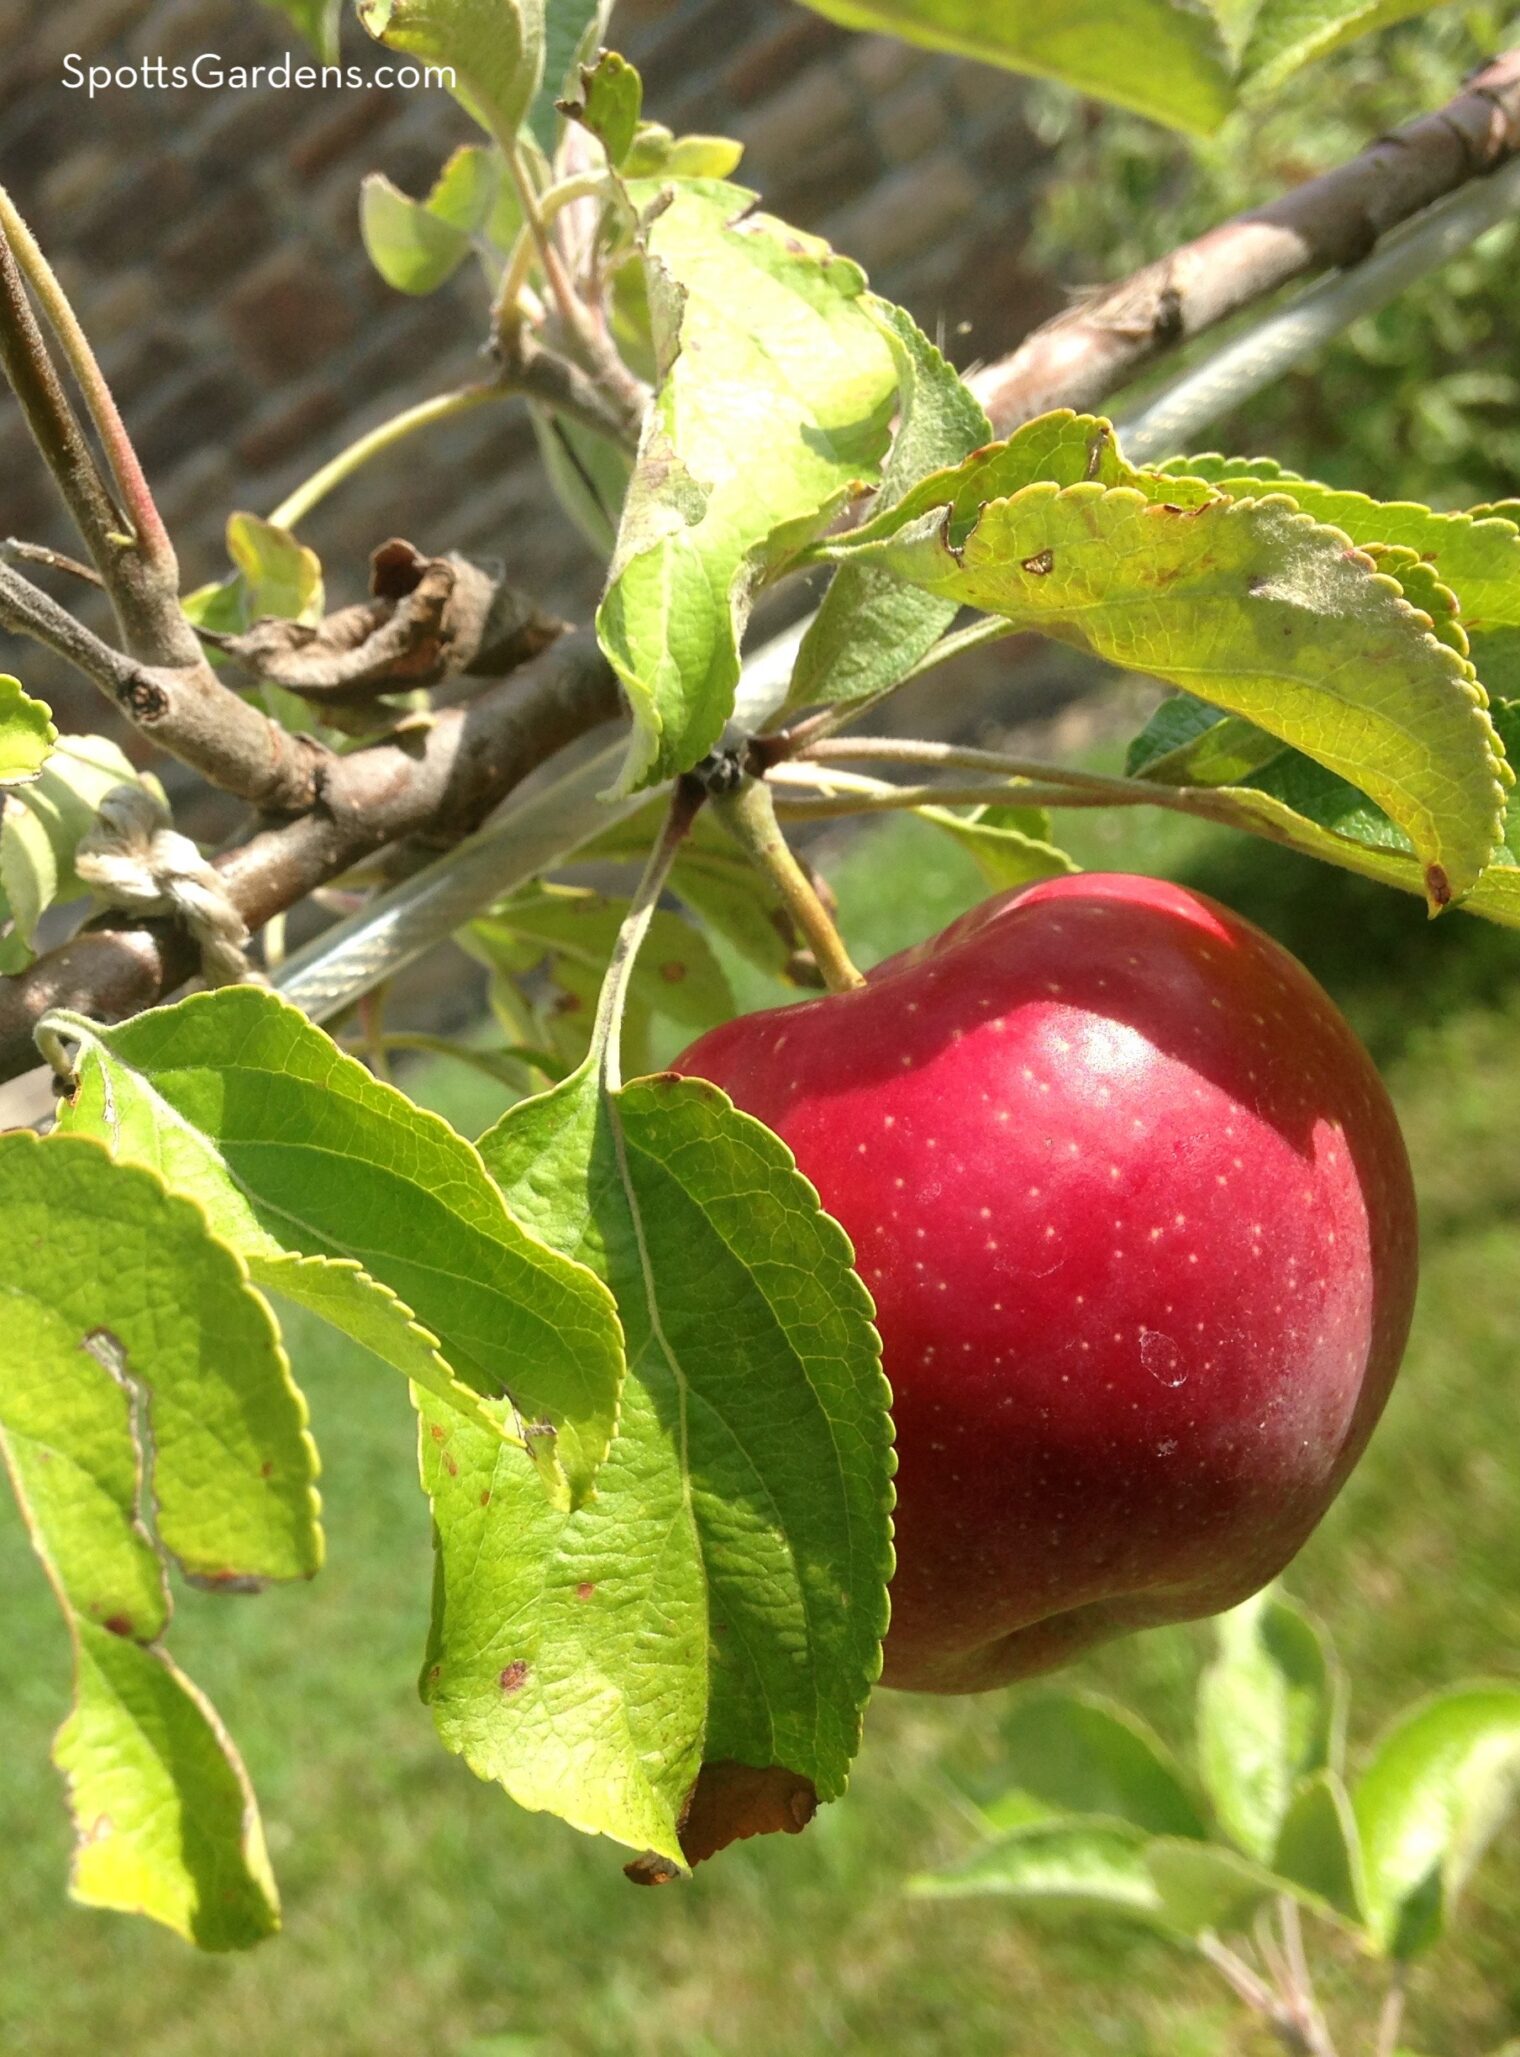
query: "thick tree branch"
1332, 221
439, 782
184, 709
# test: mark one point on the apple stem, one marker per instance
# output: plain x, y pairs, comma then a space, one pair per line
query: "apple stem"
749, 815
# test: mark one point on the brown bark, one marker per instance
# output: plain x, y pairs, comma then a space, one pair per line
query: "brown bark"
1330, 222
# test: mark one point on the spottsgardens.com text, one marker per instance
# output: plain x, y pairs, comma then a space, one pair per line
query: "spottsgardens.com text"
210, 73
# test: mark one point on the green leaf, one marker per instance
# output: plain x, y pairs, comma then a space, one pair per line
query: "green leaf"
1162, 60
610, 102
495, 49
282, 576
1205, 1886
657, 154
1186, 65
589, 474
42, 822
294, 1150
1081, 1867
1250, 605
571, 931
338, 1292
27, 733
317, 21
1287, 34
872, 629
1079, 1753
1436, 1791
1010, 845
759, 325
1319, 1847
416, 245
1269, 1714
572, 31
1294, 801
134, 1340
1476, 556
721, 1601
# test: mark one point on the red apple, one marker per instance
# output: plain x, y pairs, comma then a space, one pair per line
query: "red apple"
1138, 1221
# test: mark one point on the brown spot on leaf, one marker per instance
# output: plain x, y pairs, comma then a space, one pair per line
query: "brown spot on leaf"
451, 1464
118, 1624
437, 1432
485, 1498
673, 971
585, 1589
1438, 885
728, 1803
266, 1469
515, 1676
1042, 563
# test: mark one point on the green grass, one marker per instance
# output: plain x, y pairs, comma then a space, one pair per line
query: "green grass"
425, 1914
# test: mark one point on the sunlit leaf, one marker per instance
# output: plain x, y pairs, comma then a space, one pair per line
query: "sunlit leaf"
493, 48
26, 733
720, 1603
1438, 1787
758, 325
1253, 606
136, 1352
872, 628
294, 1150
1269, 1714
1065, 1867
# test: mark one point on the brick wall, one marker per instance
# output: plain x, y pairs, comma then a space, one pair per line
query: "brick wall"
210, 242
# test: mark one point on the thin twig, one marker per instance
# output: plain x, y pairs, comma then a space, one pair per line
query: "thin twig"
426, 414
186, 710
151, 537
39, 553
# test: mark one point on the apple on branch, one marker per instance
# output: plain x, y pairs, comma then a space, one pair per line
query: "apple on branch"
1138, 1220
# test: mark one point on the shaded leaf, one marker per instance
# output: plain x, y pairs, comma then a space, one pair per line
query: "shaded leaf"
1010, 845
1205, 1886
42, 823
722, 1598
317, 21
572, 31
294, 1150
609, 103
569, 932
1079, 1753
1319, 1846
411, 248
1438, 1787
715, 879
756, 323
